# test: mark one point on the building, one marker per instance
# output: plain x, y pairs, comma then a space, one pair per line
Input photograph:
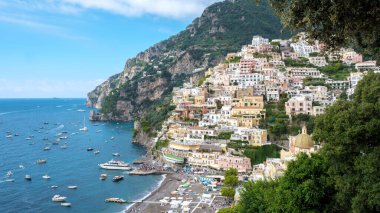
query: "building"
302, 72
304, 49
242, 164
299, 105
318, 61
302, 143
259, 40
366, 66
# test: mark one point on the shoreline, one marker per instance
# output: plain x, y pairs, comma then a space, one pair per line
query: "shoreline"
168, 184
147, 196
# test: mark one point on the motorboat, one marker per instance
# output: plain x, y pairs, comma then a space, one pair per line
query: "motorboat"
72, 187
89, 149
16, 134
28, 177
112, 138
55, 143
81, 110
9, 136
115, 165
54, 187
28, 138
58, 198
63, 137
103, 176
116, 154
47, 148
115, 200
46, 177
117, 178
64, 146
96, 152
41, 161
66, 204
10, 180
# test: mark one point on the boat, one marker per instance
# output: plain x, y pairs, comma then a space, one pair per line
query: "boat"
115, 200
64, 146
117, 178
96, 152
47, 148
46, 123
112, 138
55, 143
65, 132
58, 198
66, 204
54, 187
72, 187
46, 177
89, 149
45, 139
116, 154
115, 165
41, 161
81, 110
10, 180
84, 128
28, 138
28, 177
9, 173
16, 134
9, 136
97, 131
63, 137
103, 176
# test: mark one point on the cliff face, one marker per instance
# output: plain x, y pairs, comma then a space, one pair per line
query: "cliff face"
223, 27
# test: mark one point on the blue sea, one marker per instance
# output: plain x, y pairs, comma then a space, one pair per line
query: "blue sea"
71, 166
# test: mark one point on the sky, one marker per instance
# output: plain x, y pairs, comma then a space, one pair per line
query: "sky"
65, 48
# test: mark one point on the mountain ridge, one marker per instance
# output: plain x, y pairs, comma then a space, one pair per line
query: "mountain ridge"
223, 27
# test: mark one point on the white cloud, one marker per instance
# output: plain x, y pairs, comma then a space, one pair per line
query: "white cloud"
47, 88
176, 9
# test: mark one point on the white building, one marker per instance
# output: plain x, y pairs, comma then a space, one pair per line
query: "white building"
259, 40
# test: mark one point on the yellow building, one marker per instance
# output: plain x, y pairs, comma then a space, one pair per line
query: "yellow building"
256, 101
249, 121
240, 111
258, 138
199, 99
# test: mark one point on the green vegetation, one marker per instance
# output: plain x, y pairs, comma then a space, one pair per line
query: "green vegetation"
337, 70
260, 154
335, 23
235, 59
230, 181
228, 192
301, 62
161, 144
343, 176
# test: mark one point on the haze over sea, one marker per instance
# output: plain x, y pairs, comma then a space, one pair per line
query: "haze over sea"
71, 166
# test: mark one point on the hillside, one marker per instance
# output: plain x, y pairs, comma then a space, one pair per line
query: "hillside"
150, 76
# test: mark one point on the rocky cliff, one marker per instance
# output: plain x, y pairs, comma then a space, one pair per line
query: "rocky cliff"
146, 79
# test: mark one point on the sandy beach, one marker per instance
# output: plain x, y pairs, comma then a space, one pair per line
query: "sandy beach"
169, 184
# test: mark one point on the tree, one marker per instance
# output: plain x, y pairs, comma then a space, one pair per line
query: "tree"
231, 181
350, 133
228, 192
335, 23
231, 171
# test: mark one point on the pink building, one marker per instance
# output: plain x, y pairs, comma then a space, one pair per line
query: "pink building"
247, 65
352, 57
242, 164
299, 105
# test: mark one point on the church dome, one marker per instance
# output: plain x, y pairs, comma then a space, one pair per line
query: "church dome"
303, 140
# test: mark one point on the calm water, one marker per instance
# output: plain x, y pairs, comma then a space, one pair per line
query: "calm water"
71, 166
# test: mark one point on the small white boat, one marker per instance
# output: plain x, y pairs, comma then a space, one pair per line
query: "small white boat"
116, 154
9, 136
58, 198
47, 148
81, 110
72, 187
112, 138
10, 180
28, 177
54, 187
115, 165
28, 138
46, 177
103, 177
9, 173
41, 161
66, 204
64, 146
96, 152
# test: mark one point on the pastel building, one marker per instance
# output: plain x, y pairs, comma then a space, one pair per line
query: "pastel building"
298, 105
242, 164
